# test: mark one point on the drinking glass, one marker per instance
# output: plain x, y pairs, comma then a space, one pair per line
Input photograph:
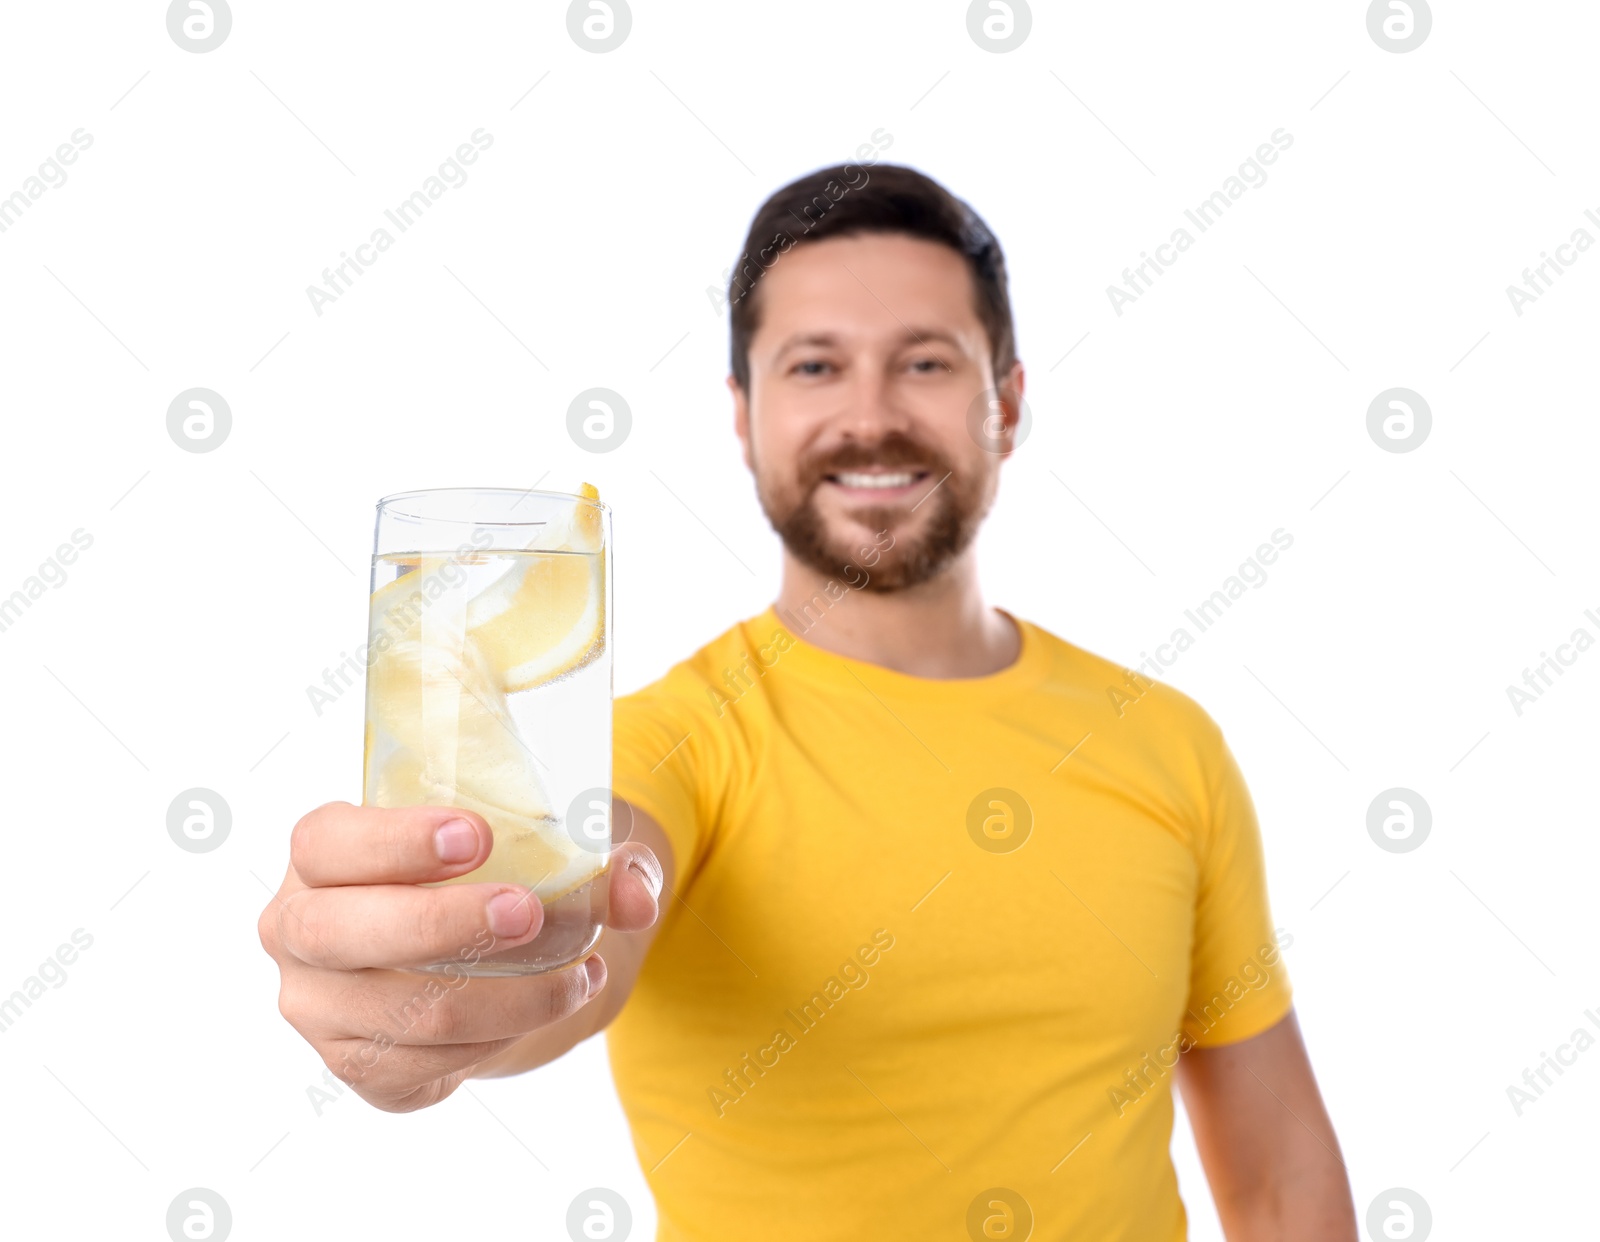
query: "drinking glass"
489, 688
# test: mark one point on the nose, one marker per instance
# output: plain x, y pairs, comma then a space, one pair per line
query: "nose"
870, 408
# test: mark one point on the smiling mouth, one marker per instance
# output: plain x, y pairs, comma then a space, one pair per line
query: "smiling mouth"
876, 480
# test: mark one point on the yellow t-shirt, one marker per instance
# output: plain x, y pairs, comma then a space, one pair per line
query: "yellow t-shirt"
934, 943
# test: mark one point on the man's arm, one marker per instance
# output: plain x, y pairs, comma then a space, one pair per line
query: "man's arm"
1264, 1136
623, 953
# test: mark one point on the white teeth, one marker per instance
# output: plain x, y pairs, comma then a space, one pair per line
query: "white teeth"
849, 479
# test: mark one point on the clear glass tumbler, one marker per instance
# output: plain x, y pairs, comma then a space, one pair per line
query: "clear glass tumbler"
489, 688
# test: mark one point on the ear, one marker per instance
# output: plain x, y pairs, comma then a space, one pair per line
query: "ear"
1011, 388
741, 419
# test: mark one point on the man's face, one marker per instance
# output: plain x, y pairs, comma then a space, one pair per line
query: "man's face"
864, 372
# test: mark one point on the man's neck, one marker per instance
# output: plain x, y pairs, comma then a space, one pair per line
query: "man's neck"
938, 629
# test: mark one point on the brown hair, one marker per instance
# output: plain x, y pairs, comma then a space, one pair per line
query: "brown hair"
849, 199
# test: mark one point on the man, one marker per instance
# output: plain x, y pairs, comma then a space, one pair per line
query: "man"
951, 902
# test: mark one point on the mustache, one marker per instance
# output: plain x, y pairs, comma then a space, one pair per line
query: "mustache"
895, 449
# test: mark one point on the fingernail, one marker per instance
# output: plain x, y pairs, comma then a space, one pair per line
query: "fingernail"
511, 914
651, 880
456, 841
596, 970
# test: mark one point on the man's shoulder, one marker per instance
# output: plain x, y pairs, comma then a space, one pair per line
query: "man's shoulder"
1082, 675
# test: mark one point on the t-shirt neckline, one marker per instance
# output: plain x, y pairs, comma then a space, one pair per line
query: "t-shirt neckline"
817, 663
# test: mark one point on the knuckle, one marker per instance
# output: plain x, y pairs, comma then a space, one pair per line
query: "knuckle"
299, 926
563, 993
301, 840
436, 923
267, 930
440, 1020
411, 1009
291, 1005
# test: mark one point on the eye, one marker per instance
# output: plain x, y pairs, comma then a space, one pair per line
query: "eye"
927, 366
810, 366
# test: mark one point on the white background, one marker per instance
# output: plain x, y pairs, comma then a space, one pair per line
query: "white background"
1224, 404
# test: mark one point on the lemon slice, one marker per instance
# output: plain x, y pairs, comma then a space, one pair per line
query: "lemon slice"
528, 849
443, 710
585, 528
545, 617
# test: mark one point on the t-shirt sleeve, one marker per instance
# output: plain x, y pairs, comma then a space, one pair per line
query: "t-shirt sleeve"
664, 760
1238, 985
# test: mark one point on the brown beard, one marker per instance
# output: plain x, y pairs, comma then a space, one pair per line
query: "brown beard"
957, 508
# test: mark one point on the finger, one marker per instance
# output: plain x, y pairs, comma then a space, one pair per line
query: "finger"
635, 887
398, 925
410, 1082
400, 1078
341, 844
392, 1007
